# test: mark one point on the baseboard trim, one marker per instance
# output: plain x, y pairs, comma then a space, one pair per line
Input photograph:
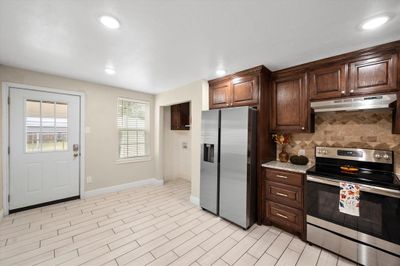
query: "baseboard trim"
195, 200
139, 183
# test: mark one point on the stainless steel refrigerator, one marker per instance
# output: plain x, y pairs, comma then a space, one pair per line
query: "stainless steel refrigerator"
228, 164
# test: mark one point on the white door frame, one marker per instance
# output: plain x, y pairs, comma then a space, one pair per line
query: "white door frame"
6, 140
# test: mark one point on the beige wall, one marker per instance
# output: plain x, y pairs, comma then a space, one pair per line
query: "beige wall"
100, 116
177, 162
194, 92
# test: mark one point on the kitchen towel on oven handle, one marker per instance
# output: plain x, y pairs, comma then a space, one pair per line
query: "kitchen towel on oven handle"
349, 198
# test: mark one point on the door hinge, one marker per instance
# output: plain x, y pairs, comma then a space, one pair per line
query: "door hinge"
9, 150
9, 198
9, 100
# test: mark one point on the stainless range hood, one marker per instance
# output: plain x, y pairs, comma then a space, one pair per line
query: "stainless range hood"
352, 104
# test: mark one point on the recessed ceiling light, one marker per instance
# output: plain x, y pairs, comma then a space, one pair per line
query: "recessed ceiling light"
374, 23
109, 70
110, 22
220, 72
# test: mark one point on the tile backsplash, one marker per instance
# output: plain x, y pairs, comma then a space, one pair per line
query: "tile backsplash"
360, 129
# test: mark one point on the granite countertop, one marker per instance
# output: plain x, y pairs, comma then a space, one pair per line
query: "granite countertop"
287, 166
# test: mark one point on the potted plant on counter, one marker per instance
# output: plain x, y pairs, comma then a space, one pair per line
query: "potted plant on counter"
283, 140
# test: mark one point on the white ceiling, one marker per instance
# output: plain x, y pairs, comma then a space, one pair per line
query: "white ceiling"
163, 44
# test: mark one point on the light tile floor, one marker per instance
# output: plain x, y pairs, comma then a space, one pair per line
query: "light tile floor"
152, 225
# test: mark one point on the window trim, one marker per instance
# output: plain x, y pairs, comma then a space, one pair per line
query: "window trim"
147, 156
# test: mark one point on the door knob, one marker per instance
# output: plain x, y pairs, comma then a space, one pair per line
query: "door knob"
343, 92
75, 149
351, 91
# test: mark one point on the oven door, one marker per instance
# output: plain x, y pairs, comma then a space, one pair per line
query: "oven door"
379, 213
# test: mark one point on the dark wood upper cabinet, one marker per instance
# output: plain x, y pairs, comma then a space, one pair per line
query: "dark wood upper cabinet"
328, 82
374, 75
239, 89
289, 112
244, 91
220, 94
180, 116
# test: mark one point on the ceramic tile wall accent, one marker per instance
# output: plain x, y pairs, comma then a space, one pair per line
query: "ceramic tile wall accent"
362, 129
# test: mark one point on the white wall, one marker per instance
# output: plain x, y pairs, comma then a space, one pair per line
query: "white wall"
176, 158
197, 93
101, 115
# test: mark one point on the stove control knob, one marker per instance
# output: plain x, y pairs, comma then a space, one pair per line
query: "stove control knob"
386, 157
378, 156
325, 152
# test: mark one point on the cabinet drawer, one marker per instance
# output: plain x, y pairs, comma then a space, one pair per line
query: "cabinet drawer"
286, 216
286, 194
284, 177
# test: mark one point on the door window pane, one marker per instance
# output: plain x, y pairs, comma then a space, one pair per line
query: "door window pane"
46, 125
32, 124
61, 128
48, 143
47, 129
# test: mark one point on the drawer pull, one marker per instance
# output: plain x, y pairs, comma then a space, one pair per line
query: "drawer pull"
281, 194
281, 215
282, 176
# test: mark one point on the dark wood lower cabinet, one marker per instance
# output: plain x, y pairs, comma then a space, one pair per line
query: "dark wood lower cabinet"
288, 218
284, 201
288, 195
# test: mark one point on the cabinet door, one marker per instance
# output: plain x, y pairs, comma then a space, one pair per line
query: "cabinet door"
374, 75
180, 116
328, 82
289, 104
244, 91
220, 94
175, 117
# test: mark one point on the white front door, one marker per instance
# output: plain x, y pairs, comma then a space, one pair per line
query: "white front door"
44, 147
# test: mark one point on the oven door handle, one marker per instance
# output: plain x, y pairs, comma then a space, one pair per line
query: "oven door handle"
365, 188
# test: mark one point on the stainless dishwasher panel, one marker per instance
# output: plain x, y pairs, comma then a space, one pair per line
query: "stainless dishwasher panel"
235, 166
209, 184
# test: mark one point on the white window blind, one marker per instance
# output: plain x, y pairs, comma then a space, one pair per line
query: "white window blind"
133, 125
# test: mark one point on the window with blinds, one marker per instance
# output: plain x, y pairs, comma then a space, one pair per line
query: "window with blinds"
133, 126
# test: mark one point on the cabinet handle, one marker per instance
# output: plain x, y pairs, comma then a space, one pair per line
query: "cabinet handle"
281, 194
351, 91
281, 215
227, 104
343, 92
302, 128
282, 176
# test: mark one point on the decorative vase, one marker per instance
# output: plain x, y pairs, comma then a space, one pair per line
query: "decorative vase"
283, 155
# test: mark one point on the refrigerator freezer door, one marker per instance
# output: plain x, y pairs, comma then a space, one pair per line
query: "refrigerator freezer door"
234, 166
209, 184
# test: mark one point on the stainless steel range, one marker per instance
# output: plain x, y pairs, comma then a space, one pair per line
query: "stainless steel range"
372, 236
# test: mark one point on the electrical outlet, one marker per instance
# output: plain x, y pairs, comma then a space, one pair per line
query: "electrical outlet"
302, 152
89, 179
184, 145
